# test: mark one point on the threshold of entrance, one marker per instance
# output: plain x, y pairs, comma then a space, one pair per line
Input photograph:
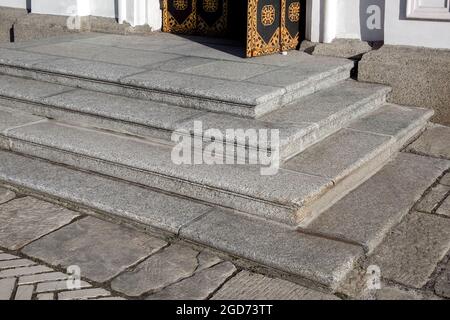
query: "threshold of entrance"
261, 26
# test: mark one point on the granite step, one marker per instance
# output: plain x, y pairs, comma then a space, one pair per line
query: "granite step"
300, 124
294, 194
262, 85
320, 255
315, 261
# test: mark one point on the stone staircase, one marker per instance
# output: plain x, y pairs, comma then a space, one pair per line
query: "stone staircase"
97, 135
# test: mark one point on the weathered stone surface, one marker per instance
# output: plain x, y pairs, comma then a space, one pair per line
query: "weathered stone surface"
15, 263
23, 271
229, 70
391, 119
433, 198
26, 219
198, 287
141, 112
88, 69
251, 286
370, 211
160, 270
412, 250
22, 59
445, 180
42, 277
245, 185
418, 76
393, 293
444, 209
338, 155
28, 89
6, 256
6, 195
122, 56
10, 119
45, 296
315, 258
442, 285
193, 85
57, 286
344, 48
156, 209
433, 142
83, 294
101, 249
6, 288
24, 292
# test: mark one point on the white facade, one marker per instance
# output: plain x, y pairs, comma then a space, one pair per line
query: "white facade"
399, 22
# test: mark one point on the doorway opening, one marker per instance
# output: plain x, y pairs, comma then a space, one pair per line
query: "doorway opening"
261, 26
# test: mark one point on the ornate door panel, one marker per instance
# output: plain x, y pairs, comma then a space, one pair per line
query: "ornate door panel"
263, 27
290, 24
179, 16
212, 17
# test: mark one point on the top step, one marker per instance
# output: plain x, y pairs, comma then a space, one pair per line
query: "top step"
181, 72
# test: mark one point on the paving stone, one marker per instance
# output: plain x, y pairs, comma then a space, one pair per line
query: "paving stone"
6, 288
121, 56
88, 69
327, 103
6, 195
198, 287
431, 201
24, 292
180, 64
28, 89
46, 296
338, 155
82, 294
435, 141
245, 185
6, 256
442, 285
304, 74
15, 263
229, 70
444, 209
142, 112
10, 119
58, 286
17, 272
26, 219
370, 211
446, 180
112, 196
101, 249
316, 258
412, 250
251, 286
393, 293
22, 59
35, 278
390, 119
160, 270
198, 86
110, 298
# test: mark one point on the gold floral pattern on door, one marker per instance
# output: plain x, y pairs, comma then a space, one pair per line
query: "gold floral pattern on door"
210, 5
180, 4
267, 15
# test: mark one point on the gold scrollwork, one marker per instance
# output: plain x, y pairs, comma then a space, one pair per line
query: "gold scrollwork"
294, 11
268, 15
180, 4
210, 5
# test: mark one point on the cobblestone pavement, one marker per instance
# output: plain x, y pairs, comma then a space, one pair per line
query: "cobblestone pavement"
40, 240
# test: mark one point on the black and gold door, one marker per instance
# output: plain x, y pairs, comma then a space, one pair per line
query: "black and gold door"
205, 17
179, 16
272, 26
263, 27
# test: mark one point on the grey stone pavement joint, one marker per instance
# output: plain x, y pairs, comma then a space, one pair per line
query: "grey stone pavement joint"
435, 142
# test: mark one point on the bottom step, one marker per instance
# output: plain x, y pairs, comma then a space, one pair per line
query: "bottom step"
312, 255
